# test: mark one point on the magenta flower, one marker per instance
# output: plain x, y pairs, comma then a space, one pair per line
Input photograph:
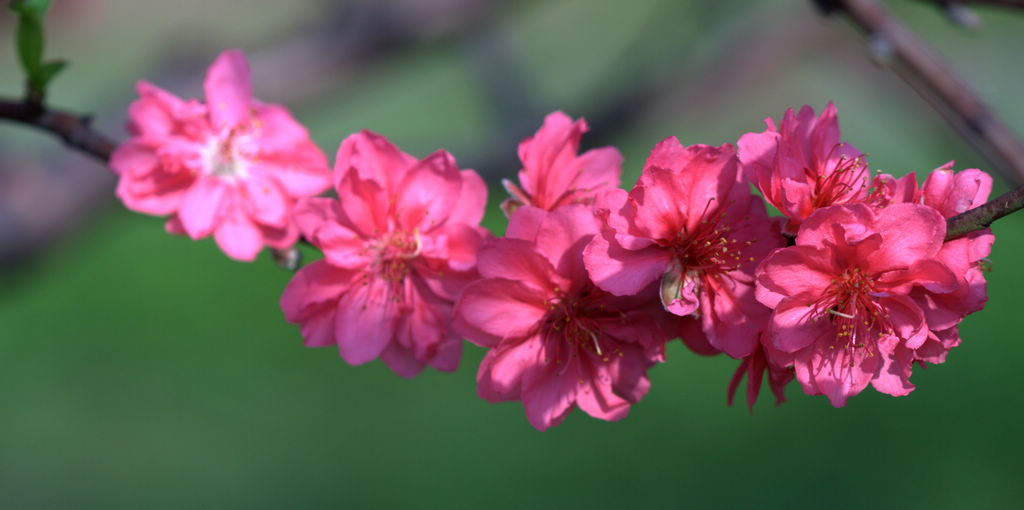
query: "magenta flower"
692, 224
802, 166
845, 313
232, 167
556, 340
399, 245
553, 175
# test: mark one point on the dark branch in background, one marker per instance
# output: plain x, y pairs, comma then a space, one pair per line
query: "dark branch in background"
922, 68
75, 130
995, 3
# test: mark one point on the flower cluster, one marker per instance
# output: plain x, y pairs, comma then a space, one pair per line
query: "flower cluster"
853, 284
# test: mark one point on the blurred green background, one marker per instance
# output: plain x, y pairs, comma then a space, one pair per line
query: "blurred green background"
142, 370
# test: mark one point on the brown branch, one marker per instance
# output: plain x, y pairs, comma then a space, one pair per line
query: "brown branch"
982, 216
75, 130
924, 67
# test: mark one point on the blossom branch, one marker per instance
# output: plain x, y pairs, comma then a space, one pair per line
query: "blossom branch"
938, 83
982, 216
75, 130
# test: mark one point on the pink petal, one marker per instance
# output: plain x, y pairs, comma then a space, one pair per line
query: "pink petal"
318, 328
628, 373
595, 397
364, 205
525, 222
428, 192
276, 131
366, 322
264, 202
912, 232
562, 237
374, 158
313, 285
301, 173
448, 354
133, 158
548, 159
550, 398
321, 222
472, 202
228, 90
894, 376
401, 361
517, 260
833, 374
279, 238
731, 317
791, 271
819, 229
202, 205
501, 372
601, 168
462, 243
792, 328
500, 308
238, 237
620, 271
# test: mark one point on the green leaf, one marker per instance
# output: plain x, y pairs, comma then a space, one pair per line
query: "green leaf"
37, 8
30, 43
29, 38
47, 71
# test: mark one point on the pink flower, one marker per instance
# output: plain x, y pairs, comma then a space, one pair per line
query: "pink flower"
556, 340
951, 194
844, 310
552, 173
802, 166
232, 167
399, 245
690, 223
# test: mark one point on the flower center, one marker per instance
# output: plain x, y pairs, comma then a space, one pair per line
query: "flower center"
845, 180
849, 305
227, 156
710, 247
572, 326
393, 253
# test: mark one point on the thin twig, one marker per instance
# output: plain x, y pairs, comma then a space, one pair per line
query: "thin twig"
924, 67
75, 130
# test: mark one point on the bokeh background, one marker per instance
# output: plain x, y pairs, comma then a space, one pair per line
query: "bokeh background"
142, 370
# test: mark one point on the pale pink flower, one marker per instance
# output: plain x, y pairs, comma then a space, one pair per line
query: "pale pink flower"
399, 245
844, 313
556, 340
232, 167
553, 174
692, 224
802, 165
